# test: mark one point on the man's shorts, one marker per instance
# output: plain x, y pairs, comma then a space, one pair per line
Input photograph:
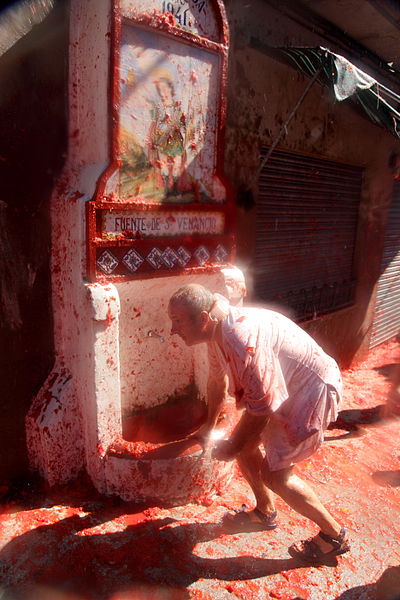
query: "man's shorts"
280, 451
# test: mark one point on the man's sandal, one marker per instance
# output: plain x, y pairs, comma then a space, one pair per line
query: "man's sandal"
309, 552
251, 518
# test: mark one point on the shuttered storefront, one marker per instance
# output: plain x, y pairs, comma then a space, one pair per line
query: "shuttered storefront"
307, 213
387, 312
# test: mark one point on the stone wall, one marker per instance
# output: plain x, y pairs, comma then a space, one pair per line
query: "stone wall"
261, 94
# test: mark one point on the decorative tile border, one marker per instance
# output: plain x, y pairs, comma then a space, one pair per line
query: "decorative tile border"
183, 256
133, 260
201, 255
160, 259
154, 258
169, 257
107, 262
221, 254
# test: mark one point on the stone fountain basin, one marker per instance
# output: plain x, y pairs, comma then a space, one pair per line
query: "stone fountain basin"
156, 460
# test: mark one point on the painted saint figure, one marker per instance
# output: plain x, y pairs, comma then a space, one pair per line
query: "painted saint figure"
168, 138
288, 391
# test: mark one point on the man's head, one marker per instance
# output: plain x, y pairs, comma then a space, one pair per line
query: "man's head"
189, 310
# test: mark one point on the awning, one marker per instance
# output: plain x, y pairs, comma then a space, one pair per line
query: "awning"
346, 80
17, 20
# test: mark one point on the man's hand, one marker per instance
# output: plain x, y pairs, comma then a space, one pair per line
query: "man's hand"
224, 450
203, 433
207, 436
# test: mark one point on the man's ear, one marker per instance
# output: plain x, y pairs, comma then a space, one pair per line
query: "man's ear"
204, 319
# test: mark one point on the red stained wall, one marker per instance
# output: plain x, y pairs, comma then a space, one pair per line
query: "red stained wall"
262, 92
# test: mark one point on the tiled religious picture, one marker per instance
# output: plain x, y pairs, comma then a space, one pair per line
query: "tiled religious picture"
162, 205
168, 115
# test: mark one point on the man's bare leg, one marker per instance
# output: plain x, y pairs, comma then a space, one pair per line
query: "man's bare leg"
302, 498
250, 461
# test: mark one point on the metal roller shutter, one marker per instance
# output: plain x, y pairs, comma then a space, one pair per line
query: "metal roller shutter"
387, 311
307, 214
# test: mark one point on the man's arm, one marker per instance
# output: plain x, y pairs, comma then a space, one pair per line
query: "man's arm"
216, 394
248, 429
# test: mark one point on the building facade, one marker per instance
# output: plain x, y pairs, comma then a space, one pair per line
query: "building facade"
312, 178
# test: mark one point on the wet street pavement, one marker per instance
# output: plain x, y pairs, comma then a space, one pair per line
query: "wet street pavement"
70, 543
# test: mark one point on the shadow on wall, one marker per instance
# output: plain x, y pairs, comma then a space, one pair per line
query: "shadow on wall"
33, 78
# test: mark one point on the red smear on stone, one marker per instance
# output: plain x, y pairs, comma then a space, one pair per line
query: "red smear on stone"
75, 196
109, 316
280, 593
146, 451
199, 595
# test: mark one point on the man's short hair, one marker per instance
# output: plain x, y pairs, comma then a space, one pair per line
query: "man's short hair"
195, 297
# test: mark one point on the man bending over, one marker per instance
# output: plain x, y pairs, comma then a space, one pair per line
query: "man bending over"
289, 389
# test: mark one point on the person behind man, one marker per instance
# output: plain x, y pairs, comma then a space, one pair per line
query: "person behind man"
290, 390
